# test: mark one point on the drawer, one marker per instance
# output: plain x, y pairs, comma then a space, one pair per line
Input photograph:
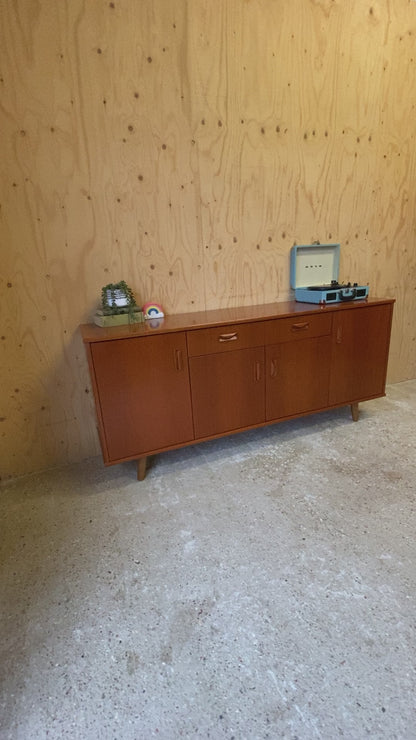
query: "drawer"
225, 338
297, 327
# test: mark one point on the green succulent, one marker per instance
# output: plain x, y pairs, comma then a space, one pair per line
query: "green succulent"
113, 291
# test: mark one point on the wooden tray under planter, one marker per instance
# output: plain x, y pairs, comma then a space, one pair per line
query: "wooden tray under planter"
118, 319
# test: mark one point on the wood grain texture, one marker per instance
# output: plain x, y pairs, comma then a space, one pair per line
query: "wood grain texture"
185, 147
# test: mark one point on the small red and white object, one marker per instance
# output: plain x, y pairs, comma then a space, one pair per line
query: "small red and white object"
153, 310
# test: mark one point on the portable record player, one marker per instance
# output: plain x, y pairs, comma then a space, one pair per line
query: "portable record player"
314, 270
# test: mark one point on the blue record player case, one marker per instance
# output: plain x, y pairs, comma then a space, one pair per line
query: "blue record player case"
314, 270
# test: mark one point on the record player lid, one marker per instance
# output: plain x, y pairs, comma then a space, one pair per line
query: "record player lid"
314, 264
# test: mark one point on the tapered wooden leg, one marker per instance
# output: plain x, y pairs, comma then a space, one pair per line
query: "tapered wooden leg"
355, 413
141, 468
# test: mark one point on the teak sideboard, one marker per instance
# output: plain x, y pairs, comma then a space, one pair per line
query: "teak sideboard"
187, 378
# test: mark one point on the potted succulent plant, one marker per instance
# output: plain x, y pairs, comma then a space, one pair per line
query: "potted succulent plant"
118, 306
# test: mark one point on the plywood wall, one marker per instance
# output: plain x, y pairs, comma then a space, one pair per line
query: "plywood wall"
185, 146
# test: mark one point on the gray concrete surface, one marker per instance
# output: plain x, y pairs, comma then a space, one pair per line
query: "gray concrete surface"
261, 586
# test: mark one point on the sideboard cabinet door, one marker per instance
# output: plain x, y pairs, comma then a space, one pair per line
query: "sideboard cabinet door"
360, 345
227, 391
143, 392
297, 377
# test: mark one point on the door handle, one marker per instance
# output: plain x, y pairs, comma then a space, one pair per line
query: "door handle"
339, 335
228, 337
178, 360
273, 368
257, 371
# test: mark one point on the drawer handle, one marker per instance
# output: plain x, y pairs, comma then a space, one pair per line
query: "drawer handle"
301, 325
228, 337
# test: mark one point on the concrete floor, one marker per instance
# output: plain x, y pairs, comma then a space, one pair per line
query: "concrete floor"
261, 586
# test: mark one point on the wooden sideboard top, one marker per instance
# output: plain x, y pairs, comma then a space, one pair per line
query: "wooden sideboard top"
218, 317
